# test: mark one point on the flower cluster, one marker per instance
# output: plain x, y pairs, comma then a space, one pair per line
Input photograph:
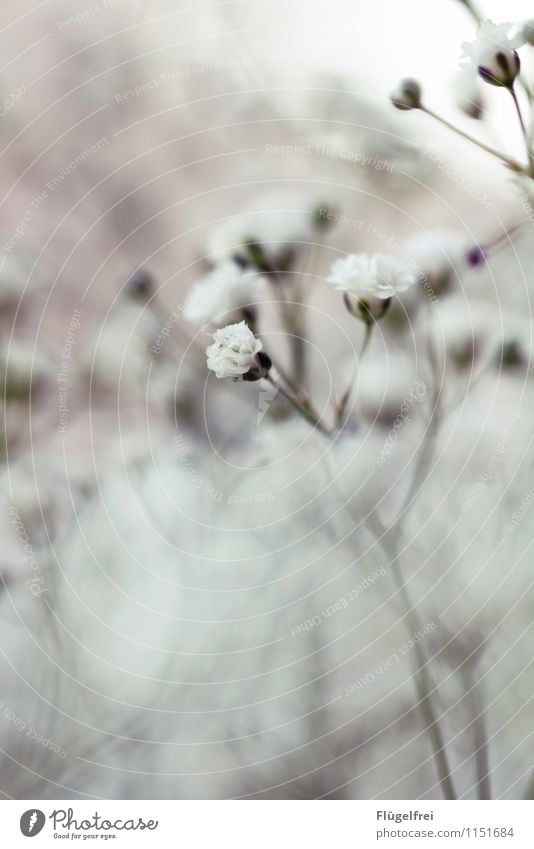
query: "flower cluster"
251, 248
228, 288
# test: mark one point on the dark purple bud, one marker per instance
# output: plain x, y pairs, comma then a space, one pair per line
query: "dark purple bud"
475, 257
140, 285
262, 364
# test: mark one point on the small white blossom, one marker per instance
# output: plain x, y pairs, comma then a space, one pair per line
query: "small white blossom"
492, 53
228, 287
235, 352
370, 276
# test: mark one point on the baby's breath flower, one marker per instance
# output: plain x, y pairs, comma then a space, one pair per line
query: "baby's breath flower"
271, 233
369, 282
436, 254
493, 53
237, 353
227, 288
140, 286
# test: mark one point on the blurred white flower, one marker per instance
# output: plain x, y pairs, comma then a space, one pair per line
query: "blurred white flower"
492, 53
370, 276
464, 332
23, 367
13, 279
271, 233
387, 389
228, 287
466, 89
436, 255
119, 356
235, 351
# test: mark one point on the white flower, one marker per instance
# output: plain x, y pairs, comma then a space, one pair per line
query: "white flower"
492, 53
228, 287
235, 352
364, 276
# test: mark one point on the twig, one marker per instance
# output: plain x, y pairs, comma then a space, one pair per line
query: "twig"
303, 406
515, 166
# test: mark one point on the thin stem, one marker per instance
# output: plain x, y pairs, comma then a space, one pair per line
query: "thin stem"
427, 447
303, 407
291, 319
295, 325
470, 6
523, 129
346, 395
480, 741
510, 162
423, 683
298, 391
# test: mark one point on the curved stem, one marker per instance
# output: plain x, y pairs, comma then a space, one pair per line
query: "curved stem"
423, 683
510, 162
303, 407
523, 129
346, 395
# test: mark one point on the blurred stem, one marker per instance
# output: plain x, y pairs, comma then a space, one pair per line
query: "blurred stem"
427, 446
296, 322
530, 156
480, 740
303, 406
298, 391
423, 683
473, 10
290, 309
346, 395
515, 166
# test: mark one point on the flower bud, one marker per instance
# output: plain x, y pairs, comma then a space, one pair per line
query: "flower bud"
475, 257
407, 95
323, 217
493, 53
367, 309
510, 354
260, 367
503, 72
140, 285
